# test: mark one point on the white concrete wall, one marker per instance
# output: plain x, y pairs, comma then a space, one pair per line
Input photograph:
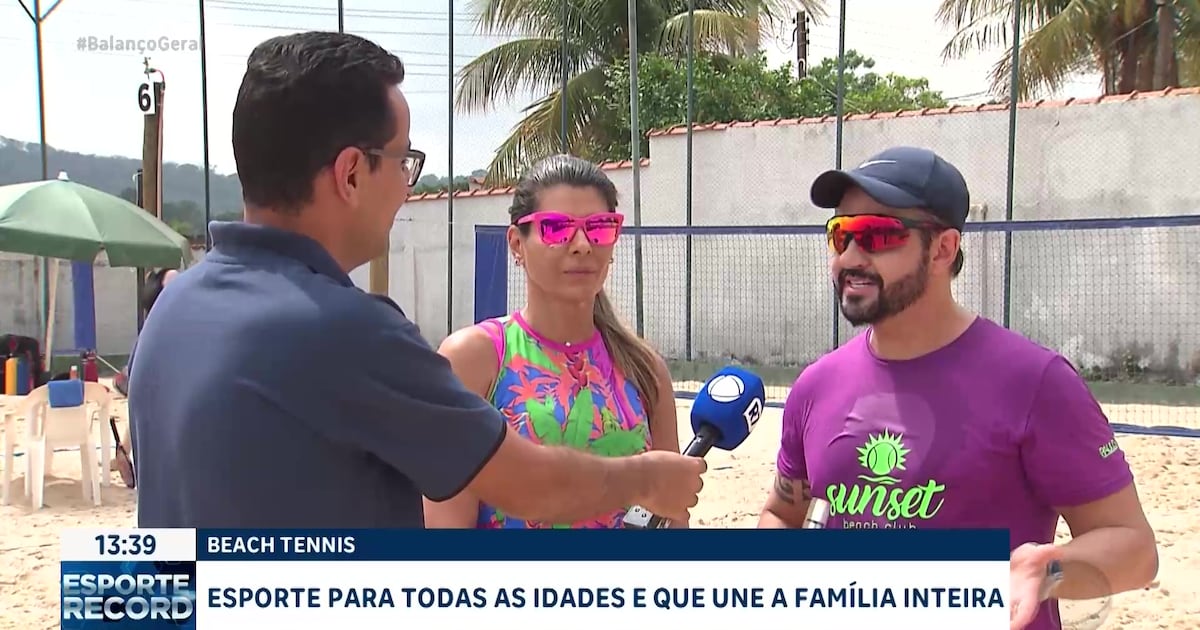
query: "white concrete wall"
116, 303
767, 298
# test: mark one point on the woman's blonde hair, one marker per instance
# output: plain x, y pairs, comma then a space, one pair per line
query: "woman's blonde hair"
630, 354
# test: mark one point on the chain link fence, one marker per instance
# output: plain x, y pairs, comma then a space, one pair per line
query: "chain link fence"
1072, 240
1085, 215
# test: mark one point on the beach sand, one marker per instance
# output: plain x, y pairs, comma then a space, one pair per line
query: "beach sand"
1167, 469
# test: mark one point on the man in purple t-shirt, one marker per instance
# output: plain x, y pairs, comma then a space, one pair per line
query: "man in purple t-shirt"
938, 418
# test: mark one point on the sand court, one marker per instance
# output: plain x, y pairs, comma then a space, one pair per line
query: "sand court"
1167, 469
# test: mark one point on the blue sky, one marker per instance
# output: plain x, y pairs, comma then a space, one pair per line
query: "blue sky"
91, 101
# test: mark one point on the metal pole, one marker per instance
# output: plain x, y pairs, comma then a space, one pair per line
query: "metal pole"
841, 83
204, 126
341, 17
41, 83
38, 18
1013, 90
635, 142
562, 89
691, 116
43, 264
141, 272
837, 151
379, 269
450, 168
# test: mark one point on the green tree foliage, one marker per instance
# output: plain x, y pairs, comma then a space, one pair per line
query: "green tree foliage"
1117, 39
746, 89
430, 183
593, 37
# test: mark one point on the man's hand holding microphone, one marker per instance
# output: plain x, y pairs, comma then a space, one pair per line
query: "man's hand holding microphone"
557, 484
560, 484
672, 483
724, 413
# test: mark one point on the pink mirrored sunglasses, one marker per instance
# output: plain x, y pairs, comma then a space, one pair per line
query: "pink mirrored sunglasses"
556, 228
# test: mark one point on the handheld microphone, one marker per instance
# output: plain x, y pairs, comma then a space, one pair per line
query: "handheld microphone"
818, 514
724, 413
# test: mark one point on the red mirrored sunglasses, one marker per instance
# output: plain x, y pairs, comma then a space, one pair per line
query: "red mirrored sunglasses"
873, 232
556, 228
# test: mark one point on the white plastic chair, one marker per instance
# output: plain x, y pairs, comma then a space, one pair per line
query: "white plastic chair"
48, 428
10, 442
99, 399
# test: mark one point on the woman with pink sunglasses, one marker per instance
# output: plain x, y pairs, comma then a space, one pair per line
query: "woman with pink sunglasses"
563, 369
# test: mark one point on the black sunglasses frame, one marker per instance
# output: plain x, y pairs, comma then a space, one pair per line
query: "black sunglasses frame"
414, 171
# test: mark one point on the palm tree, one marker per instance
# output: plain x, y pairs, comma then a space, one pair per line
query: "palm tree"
1133, 44
596, 35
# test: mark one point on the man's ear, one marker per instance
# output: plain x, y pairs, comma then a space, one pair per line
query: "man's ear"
345, 170
946, 247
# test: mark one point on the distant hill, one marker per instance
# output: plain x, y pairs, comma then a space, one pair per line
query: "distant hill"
183, 184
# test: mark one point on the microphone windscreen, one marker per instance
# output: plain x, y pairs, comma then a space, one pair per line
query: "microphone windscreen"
731, 402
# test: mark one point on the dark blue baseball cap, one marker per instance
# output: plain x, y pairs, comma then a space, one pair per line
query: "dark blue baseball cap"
901, 177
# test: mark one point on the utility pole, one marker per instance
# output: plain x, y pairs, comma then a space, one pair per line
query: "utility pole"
801, 23
150, 102
149, 177
1164, 57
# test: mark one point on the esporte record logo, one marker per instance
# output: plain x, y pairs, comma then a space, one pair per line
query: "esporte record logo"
128, 594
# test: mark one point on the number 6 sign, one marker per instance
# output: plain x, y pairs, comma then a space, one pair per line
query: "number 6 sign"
147, 97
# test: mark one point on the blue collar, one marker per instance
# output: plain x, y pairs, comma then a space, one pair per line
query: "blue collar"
231, 238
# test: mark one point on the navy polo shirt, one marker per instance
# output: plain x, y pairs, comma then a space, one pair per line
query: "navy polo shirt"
266, 390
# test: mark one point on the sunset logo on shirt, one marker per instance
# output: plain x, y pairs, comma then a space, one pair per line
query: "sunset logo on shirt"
883, 495
881, 456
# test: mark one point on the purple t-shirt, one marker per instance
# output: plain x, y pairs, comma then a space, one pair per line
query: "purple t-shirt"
990, 431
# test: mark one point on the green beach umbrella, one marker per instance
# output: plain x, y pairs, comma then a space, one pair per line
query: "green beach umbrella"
63, 219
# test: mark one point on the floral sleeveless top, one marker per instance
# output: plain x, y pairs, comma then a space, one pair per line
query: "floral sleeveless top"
562, 395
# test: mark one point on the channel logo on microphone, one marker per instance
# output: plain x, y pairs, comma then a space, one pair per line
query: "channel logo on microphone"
127, 595
728, 388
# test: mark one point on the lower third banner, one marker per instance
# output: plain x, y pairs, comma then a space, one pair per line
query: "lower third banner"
581, 579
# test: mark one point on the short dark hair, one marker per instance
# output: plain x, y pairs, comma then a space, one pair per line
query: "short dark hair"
304, 98
152, 288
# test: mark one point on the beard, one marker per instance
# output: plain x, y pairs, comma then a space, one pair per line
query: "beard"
890, 299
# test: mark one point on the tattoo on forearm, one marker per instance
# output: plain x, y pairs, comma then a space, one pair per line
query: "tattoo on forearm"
783, 489
787, 492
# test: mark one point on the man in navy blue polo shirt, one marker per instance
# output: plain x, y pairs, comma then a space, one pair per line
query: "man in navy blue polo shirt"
272, 392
